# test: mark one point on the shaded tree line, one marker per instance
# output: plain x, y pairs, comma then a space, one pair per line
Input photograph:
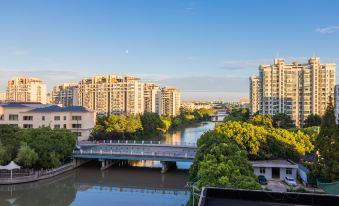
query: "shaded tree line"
38, 148
147, 124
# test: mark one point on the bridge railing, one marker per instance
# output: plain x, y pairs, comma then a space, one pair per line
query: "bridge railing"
180, 155
146, 142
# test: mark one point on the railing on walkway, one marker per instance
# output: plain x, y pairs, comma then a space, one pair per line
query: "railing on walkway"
157, 154
34, 175
137, 142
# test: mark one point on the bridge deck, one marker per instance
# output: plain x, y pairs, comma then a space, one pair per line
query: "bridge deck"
122, 151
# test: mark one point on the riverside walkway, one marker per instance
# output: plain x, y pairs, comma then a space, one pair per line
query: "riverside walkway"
108, 152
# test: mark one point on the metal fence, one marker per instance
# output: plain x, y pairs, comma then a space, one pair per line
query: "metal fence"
30, 176
142, 142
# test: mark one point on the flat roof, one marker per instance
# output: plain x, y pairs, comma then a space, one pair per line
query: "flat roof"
212, 196
274, 163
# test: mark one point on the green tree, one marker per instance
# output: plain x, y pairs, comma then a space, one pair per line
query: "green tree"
327, 144
262, 120
4, 156
312, 120
26, 156
152, 123
282, 120
238, 114
167, 121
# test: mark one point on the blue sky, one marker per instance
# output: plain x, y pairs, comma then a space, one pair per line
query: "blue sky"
205, 48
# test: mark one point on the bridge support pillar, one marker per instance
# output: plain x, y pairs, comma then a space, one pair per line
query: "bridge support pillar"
167, 165
78, 162
107, 163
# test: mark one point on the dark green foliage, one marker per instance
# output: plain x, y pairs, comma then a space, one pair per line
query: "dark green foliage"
52, 147
327, 144
282, 120
312, 120
219, 162
237, 114
151, 123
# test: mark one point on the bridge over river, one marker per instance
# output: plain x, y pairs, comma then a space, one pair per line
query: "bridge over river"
118, 152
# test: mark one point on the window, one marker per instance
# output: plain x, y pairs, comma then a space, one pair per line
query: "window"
76, 118
65, 126
65, 118
43, 118
288, 171
76, 125
2, 117
56, 126
56, 118
13, 117
262, 170
27, 126
28, 118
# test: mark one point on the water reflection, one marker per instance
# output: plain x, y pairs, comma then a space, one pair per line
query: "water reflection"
140, 183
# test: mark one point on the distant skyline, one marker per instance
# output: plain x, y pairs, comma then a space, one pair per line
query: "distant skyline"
207, 49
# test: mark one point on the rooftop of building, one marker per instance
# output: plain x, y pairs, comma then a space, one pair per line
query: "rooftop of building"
237, 197
42, 108
274, 163
55, 108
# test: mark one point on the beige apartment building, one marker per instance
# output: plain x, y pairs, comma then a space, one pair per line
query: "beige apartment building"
295, 89
2, 96
168, 101
150, 97
112, 94
26, 89
77, 119
254, 94
66, 94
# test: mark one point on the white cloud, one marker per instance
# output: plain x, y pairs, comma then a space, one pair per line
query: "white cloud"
328, 29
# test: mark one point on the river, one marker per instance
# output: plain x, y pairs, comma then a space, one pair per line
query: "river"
139, 183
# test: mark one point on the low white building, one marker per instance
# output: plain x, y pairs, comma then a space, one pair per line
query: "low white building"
275, 169
75, 118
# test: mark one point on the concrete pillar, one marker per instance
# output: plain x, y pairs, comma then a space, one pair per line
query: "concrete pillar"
107, 163
167, 165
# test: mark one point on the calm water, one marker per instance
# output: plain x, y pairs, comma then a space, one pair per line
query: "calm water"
139, 183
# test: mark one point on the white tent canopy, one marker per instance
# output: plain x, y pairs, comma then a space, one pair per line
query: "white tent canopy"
10, 166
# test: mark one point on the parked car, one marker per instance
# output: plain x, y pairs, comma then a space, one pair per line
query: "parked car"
262, 180
290, 181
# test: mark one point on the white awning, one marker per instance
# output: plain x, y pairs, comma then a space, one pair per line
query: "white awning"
10, 166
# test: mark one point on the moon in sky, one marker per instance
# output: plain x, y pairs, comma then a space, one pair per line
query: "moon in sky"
126, 51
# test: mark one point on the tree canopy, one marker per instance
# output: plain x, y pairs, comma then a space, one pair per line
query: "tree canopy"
327, 144
40, 147
282, 120
266, 143
219, 162
238, 114
312, 120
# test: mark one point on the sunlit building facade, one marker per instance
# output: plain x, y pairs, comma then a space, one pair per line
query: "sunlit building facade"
295, 89
26, 89
112, 94
150, 95
168, 101
66, 94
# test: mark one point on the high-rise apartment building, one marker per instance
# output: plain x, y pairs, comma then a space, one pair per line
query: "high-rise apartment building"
295, 89
26, 89
65, 94
254, 94
111, 94
2, 96
150, 94
168, 101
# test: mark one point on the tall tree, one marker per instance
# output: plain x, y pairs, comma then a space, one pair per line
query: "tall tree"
312, 120
327, 144
26, 156
282, 120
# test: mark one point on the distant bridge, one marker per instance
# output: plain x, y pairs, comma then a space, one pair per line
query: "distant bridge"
111, 152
